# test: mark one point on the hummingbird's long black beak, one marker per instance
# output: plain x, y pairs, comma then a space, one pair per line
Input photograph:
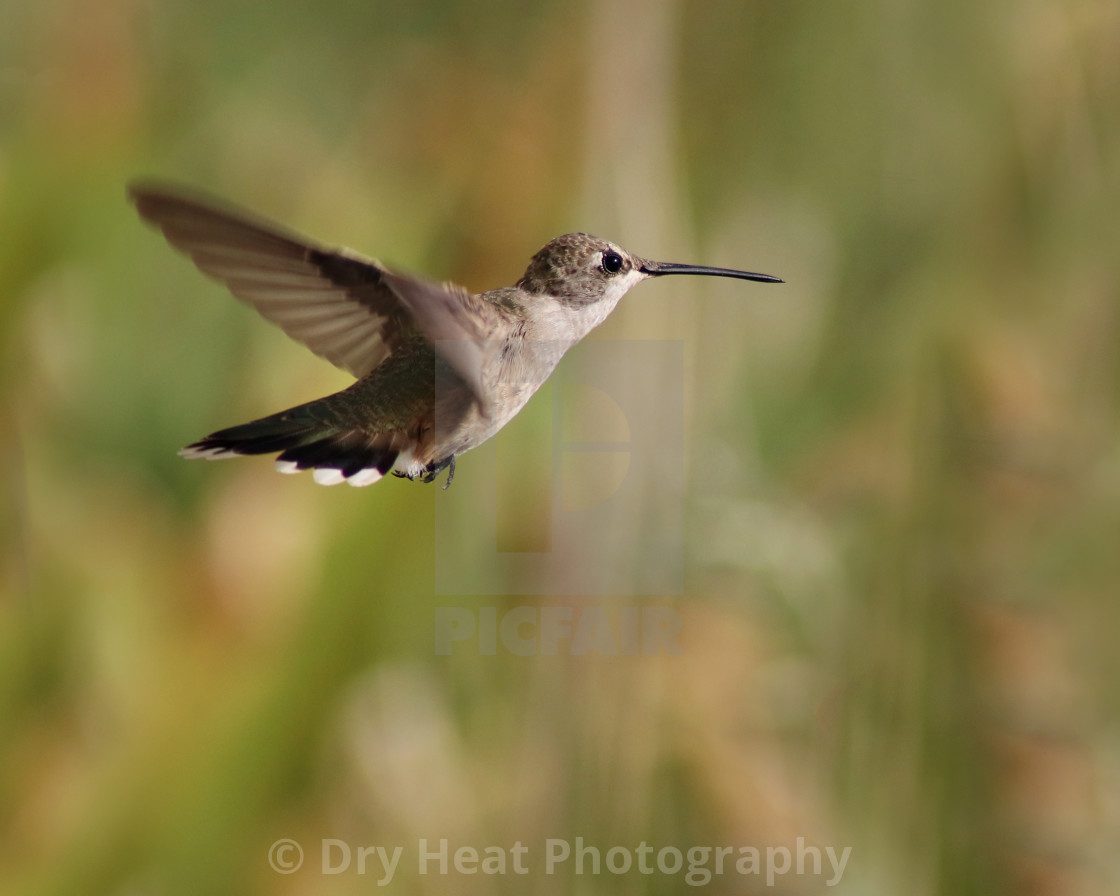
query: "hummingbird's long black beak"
661, 268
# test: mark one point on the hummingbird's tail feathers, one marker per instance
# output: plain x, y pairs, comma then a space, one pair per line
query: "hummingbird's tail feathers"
336, 455
265, 436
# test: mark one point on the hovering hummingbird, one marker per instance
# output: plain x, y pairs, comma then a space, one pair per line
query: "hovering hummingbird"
438, 370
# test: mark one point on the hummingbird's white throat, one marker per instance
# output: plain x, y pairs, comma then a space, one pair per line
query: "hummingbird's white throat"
588, 317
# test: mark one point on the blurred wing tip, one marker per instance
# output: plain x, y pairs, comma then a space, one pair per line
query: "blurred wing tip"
146, 193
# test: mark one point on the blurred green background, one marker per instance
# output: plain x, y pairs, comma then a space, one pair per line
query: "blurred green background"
903, 466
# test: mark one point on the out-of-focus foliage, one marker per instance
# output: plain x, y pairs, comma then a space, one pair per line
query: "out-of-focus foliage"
903, 466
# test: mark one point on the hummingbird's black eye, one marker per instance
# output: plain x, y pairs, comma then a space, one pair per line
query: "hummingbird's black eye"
612, 262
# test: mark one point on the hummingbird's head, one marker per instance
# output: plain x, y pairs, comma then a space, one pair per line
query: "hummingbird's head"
579, 269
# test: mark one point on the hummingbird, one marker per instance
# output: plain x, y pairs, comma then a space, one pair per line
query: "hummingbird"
439, 370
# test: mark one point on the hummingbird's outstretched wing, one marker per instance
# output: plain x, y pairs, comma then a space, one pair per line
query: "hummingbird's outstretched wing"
343, 306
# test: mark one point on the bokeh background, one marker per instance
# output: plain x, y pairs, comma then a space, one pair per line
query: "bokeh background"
901, 488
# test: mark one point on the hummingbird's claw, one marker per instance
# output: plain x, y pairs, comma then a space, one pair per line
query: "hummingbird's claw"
435, 469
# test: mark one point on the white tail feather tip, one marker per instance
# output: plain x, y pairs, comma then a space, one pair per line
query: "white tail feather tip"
328, 476
368, 476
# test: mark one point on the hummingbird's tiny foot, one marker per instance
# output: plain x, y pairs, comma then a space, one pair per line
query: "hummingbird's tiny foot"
434, 469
